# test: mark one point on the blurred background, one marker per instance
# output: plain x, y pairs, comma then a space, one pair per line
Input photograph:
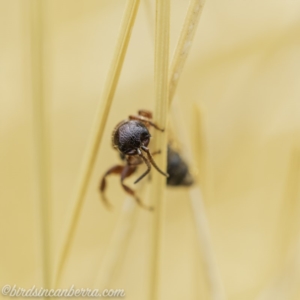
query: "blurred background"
242, 76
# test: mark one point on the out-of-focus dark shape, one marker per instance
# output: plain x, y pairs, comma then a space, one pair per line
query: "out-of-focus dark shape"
178, 170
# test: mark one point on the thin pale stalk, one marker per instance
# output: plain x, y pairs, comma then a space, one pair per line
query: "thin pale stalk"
160, 139
98, 130
288, 227
286, 283
212, 272
40, 135
184, 44
118, 244
216, 289
149, 17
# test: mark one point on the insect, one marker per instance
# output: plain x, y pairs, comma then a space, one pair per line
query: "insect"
131, 138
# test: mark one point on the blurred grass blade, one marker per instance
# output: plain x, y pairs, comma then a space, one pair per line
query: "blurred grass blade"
184, 44
118, 244
286, 283
212, 273
41, 137
98, 130
215, 285
161, 67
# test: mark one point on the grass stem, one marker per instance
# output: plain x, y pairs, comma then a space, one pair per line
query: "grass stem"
212, 273
161, 68
286, 283
98, 130
184, 44
41, 138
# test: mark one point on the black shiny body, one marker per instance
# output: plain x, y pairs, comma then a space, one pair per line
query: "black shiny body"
130, 136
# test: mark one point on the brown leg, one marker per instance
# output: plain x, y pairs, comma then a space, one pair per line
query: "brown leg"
155, 152
134, 160
145, 113
146, 121
127, 171
113, 170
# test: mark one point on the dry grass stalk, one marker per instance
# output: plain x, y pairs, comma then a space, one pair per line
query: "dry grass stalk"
40, 134
286, 283
184, 43
119, 242
212, 272
161, 68
216, 289
98, 130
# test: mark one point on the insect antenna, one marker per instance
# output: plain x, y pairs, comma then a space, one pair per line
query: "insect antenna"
148, 166
153, 162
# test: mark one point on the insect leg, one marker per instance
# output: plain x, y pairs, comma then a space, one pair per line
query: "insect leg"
127, 171
146, 121
155, 152
117, 169
145, 113
134, 160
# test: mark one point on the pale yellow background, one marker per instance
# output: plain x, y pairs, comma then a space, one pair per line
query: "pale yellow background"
243, 74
